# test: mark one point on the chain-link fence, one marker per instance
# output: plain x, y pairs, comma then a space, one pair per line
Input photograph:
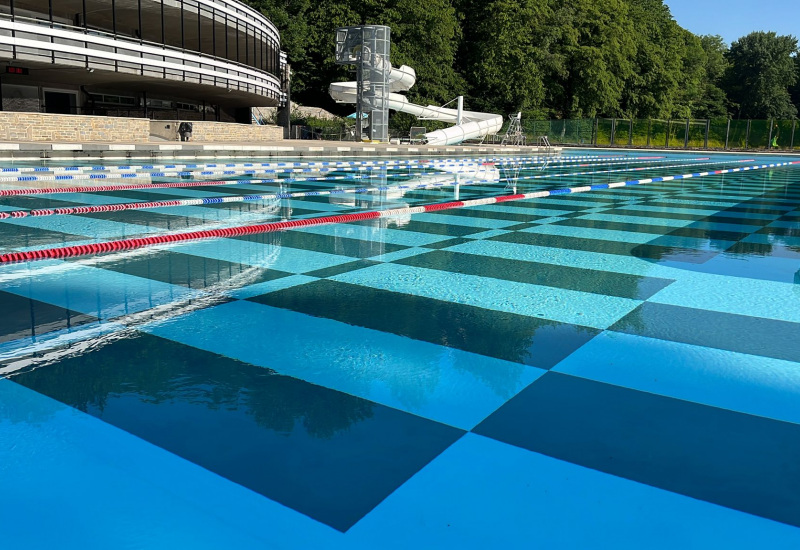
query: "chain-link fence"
725, 134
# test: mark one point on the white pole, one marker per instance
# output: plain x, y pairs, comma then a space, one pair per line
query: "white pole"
460, 110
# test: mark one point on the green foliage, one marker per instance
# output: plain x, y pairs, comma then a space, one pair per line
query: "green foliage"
593, 58
760, 74
795, 90
654, 86
548, 58
713, 102
503, 52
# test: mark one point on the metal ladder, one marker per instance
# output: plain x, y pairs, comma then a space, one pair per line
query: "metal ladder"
544, 143
514, 134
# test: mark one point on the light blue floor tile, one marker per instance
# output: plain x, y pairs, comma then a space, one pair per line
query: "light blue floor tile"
270, 286
746, 383
593, 233
737, 295
484, 494
568, 306
281, 258
638, 220
77, 225
487, 234
478, 223
400, 254
385, 231
443, 384
94, 291
785, 225
752, 267
98, 487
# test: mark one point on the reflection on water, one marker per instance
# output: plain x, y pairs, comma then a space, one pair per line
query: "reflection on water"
324, 453
145, 371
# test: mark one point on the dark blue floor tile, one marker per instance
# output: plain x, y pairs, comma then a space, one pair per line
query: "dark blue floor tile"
740, 333
25, 318
512, 337
324, 453
744, 462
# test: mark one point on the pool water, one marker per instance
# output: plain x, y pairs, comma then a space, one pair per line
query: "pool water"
618, 368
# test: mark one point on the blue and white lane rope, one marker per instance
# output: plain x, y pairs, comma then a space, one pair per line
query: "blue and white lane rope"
135, 243
214, 183
70, 210
307, 164
249, 172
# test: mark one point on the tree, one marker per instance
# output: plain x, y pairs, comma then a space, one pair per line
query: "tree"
592, 59
502, 53
654, 86
713, 101
795, 91
760, 74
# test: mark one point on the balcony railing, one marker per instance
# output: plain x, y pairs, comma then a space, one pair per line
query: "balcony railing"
25, 38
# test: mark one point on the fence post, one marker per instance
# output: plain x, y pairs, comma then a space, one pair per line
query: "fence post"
595, 130
727, 134
708, 129
794, 127
613, 130
630, 134
649, 130
747, 135
669, 131
769, 138
686, 136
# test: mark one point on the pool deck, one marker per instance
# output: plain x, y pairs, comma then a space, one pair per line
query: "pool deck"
210, 150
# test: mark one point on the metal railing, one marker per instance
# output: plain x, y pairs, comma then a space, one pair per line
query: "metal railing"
723, 134
25, 38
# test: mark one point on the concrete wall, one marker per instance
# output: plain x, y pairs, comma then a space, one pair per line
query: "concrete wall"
45, 127
218, 132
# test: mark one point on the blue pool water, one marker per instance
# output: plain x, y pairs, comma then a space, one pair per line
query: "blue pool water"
612, 369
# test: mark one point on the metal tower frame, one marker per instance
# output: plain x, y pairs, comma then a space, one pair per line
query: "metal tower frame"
367, 47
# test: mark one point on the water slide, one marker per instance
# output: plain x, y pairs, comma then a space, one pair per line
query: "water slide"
473, 125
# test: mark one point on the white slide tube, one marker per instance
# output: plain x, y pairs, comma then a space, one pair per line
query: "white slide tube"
473, 125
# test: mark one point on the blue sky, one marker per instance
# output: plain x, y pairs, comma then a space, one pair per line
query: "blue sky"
733, 19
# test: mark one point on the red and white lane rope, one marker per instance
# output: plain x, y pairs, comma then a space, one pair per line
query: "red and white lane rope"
129, 244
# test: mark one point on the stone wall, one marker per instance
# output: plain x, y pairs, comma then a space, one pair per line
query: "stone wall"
217, 132
46, 127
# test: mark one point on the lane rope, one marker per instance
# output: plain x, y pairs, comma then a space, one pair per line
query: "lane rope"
129, 244
91, 209
264, 171
214, 183
398, 162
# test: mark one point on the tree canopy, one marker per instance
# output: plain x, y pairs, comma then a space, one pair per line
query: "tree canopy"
584, 58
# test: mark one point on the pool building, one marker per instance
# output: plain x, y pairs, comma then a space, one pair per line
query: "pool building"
160, 59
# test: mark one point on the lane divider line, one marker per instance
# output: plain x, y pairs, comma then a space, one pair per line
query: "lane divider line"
69, 210
129, 244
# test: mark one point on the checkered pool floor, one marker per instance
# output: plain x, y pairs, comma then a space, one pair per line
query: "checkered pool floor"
616, 369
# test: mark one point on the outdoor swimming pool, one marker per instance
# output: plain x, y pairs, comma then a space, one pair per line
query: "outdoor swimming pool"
613, 368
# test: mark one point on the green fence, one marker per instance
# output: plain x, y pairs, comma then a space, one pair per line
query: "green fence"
722, 133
